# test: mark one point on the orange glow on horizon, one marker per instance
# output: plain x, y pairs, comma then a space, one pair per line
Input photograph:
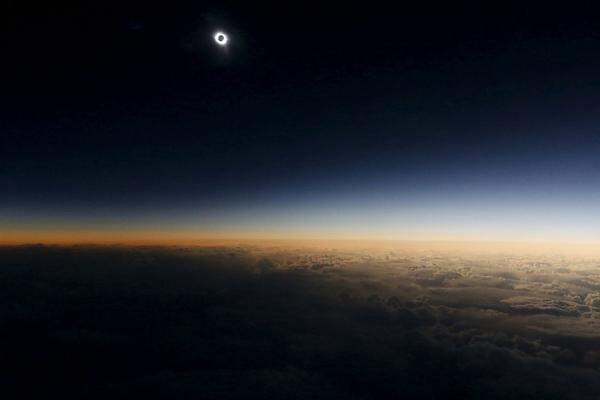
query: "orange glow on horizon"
182, 238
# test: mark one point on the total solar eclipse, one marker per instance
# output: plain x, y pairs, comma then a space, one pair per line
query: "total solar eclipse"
221, 38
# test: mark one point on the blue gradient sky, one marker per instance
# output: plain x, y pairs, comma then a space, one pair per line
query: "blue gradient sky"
454, 124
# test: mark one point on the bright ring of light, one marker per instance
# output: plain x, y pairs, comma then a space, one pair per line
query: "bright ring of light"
221, 38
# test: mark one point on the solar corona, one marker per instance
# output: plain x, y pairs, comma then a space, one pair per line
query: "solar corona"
221, 38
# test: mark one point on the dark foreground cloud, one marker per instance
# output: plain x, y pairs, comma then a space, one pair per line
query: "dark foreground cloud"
240, 323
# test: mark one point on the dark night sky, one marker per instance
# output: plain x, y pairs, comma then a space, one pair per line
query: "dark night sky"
317, 118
